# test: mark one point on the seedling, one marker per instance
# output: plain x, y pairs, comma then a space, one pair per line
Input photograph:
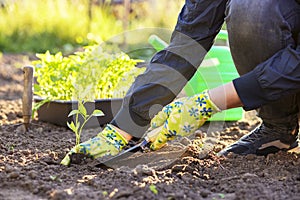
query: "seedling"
104, 193
76, 126
10, 147
55, 178
153, 189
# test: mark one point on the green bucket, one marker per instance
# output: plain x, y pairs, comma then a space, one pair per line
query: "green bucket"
216, 69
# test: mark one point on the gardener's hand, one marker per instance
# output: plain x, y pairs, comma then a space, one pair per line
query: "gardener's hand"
182, 117
109, 142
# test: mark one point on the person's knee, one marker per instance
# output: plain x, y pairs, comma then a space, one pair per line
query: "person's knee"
258, 29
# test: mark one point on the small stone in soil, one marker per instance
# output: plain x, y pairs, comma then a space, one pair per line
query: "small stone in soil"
20, 130
143, 169
32, 174
58, 194
39, 130
14, 174
185, 141
205, 193
11, 116
250, 157
8, 168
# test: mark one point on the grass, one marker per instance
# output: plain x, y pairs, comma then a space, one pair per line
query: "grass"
31, 26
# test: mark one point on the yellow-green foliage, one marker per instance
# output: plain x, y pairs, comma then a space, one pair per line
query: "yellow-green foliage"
61, 25
39, 25
88, 75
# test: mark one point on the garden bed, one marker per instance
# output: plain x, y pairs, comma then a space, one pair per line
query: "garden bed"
30, 169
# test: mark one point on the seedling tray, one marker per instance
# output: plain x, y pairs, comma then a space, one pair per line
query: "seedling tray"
56, 112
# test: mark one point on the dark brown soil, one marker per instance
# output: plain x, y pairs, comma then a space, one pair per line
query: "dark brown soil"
30, 169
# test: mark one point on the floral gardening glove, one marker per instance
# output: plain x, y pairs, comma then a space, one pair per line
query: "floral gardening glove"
182, 117
107, 142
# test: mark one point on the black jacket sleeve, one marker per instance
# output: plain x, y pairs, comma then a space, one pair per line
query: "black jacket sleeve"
169, 70
269, 81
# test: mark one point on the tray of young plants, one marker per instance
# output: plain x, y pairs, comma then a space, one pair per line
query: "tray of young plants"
97, 79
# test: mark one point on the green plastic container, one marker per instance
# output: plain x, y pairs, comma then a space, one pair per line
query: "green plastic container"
157, 43
216, 69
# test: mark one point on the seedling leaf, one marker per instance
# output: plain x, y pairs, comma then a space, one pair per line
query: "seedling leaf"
73, 112
97, 113
72, 126
82, 109
153, 189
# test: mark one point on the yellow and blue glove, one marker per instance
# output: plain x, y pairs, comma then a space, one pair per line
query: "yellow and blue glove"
179, 118
107, 142
182, 117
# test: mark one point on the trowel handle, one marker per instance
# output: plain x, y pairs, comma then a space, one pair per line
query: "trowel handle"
152, 135
27, 95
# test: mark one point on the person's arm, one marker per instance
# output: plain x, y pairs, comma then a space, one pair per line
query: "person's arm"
225, 96
169, 70
269, 81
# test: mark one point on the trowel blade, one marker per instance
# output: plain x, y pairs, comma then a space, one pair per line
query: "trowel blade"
112, 161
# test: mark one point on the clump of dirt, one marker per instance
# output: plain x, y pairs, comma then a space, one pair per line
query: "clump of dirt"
188, 168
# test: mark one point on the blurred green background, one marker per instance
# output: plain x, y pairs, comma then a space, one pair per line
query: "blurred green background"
34, 26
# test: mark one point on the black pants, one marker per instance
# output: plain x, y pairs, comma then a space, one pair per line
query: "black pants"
257, 30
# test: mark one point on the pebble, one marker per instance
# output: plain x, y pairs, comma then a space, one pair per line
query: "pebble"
250, 157
211, 140
19, 114
58, 195
182, 168
203, 154
25, 152
248, 176
178, 168
20, 130
39, 130
28, 184
8, 168
123, 194
231, 155
185, 141
32, 174
11, 116
35, 191
206, 176
13, 174
124, 170
200, 134
144, 169
205, 193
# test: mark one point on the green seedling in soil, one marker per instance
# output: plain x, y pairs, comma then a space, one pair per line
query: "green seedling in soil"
104, 193
153, 189
76, 126
37, 105
10, 146
55, 178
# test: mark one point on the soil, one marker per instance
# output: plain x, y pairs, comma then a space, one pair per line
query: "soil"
30, 169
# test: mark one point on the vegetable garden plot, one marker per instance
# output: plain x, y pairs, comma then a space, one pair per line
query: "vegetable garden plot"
29, 165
